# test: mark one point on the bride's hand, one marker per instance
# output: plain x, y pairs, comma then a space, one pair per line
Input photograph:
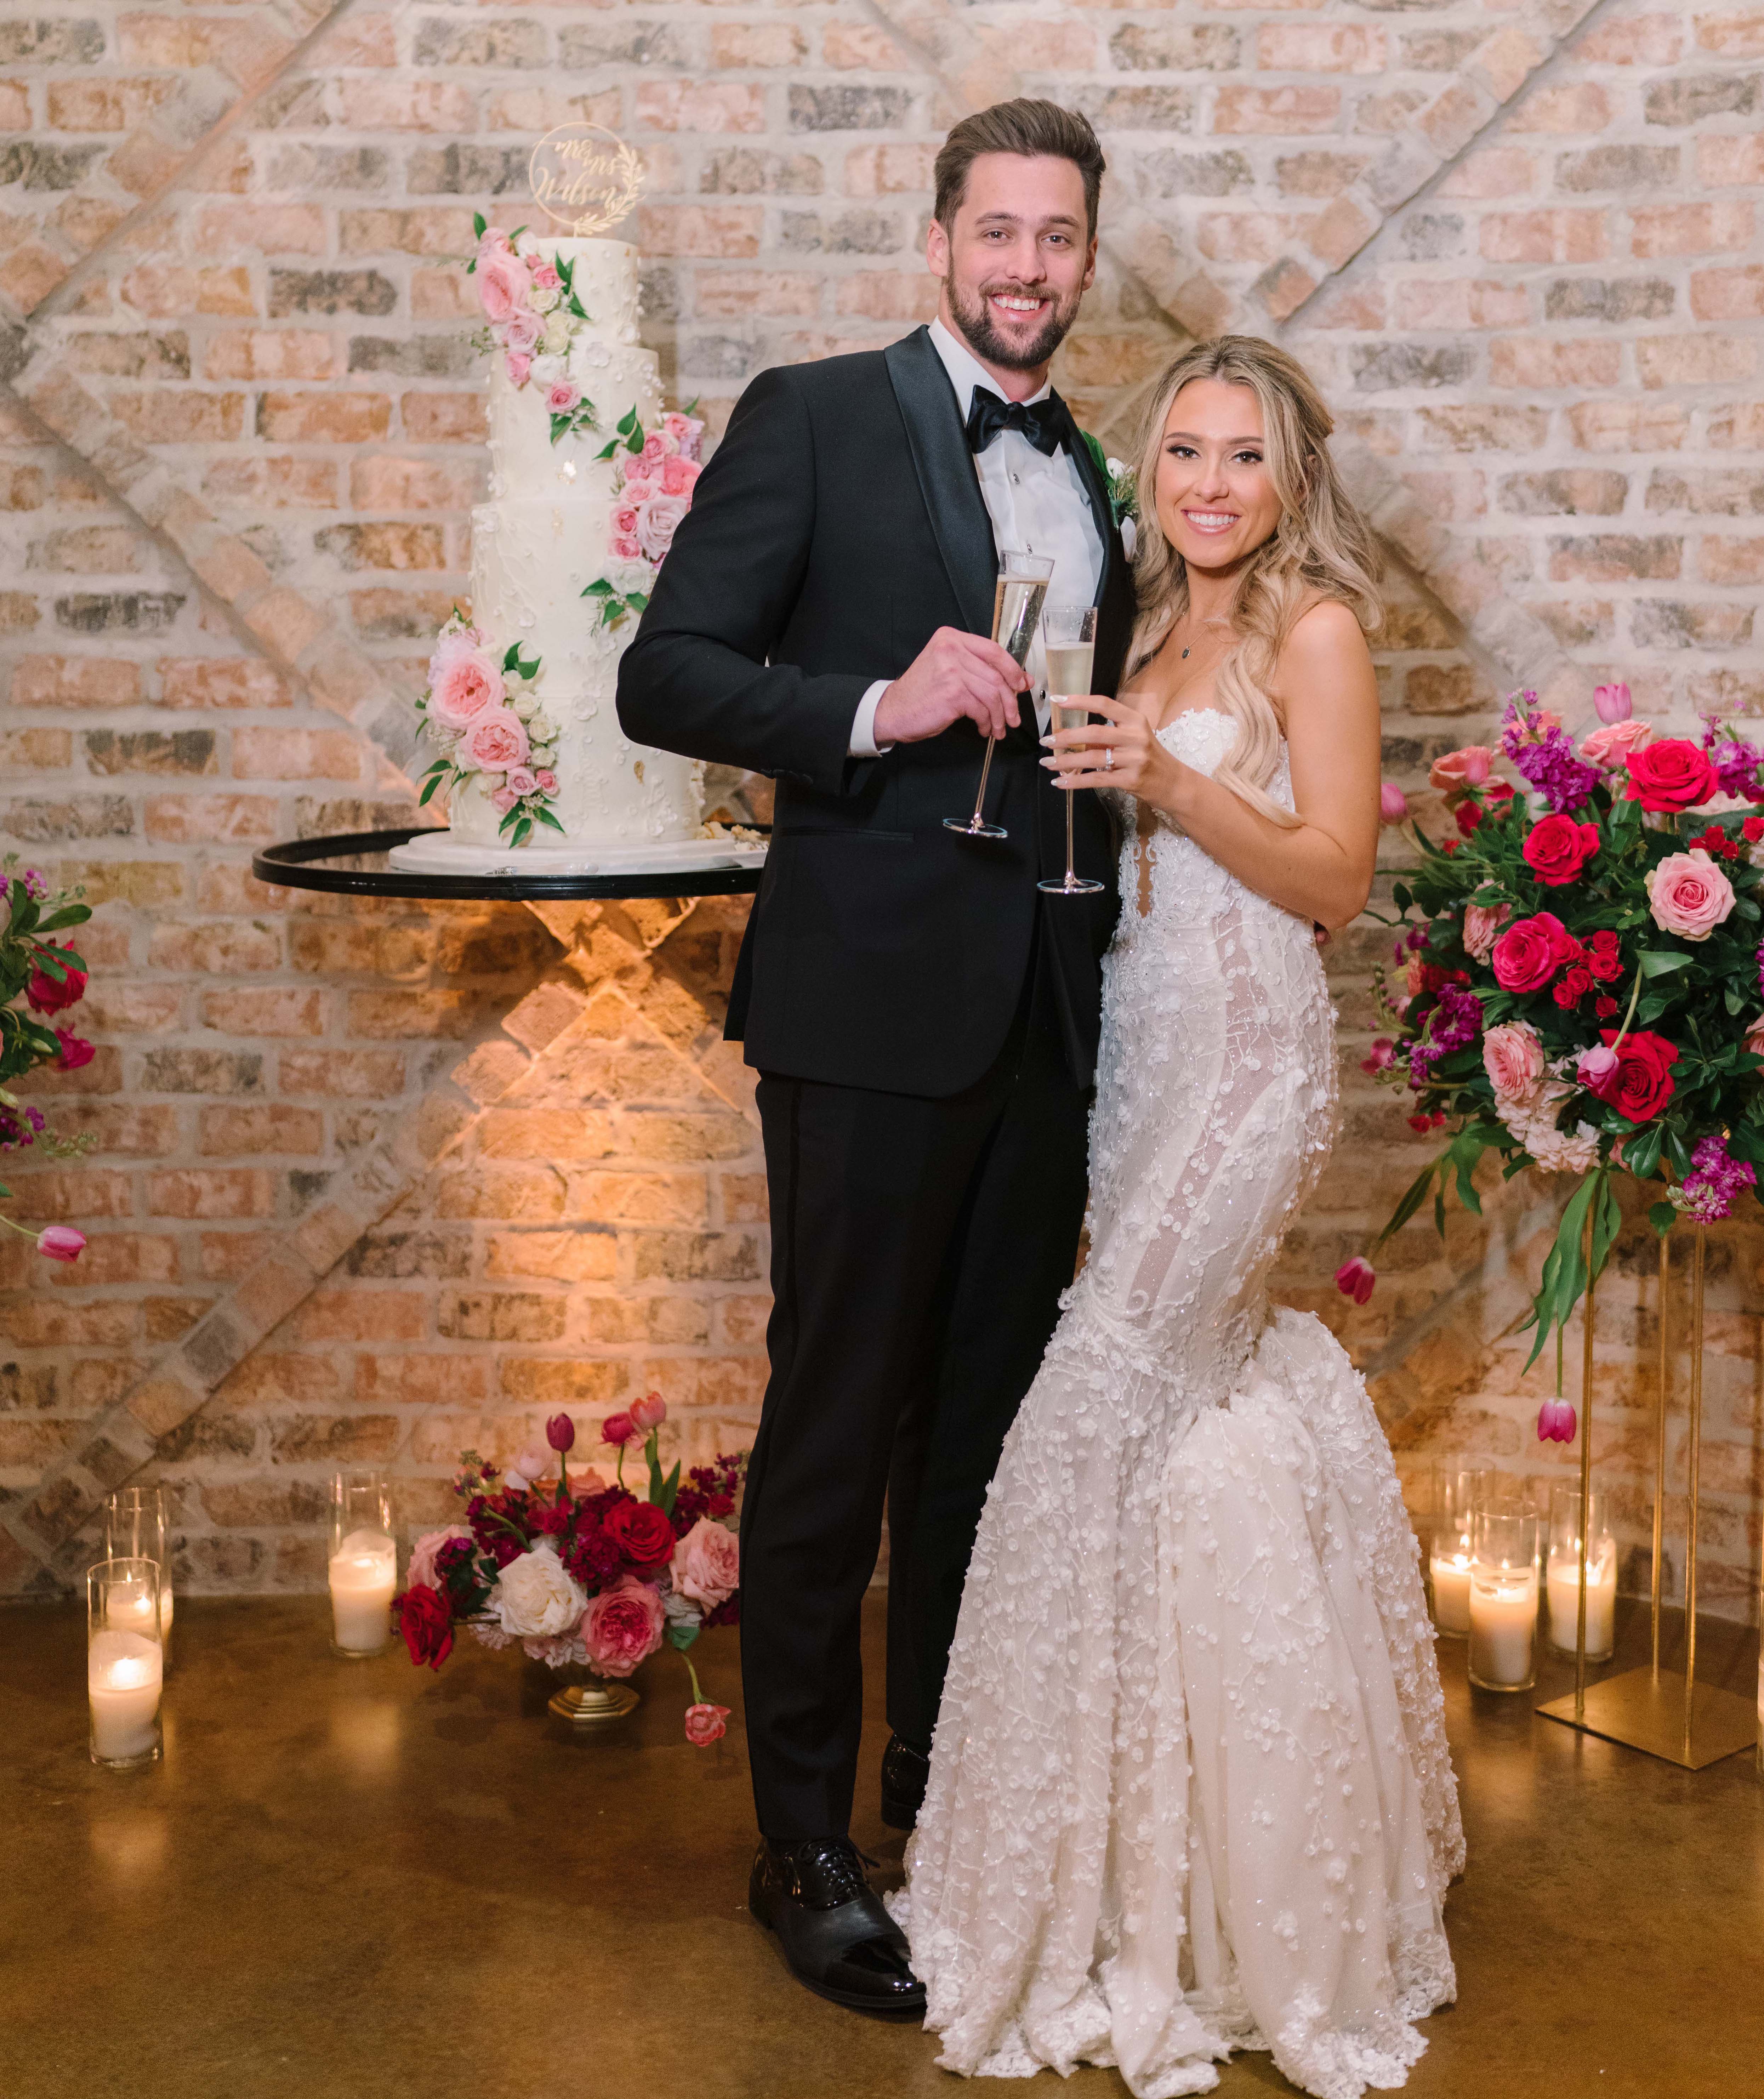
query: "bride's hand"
1120, 751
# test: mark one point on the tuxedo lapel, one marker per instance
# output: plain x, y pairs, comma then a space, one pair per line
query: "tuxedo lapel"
947, 478
1114, 592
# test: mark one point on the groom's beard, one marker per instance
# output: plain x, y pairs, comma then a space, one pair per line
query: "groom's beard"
975, 323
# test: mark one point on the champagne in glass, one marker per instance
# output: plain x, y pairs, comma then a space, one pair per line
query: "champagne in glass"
1016, 599
1069, 636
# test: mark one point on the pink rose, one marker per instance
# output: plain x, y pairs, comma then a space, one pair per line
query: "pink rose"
545, 781
678, 475
622, 1626
656, 523
495, 740
704, 1724
422, 1573
503, 284
1754, 1037
501, 800
466, 688
1458, 769
1393, 804
639, 487
520, 780
1356, 1278
1609, 747
493, 241
517, 364
687, 432
655, 449
707, 1564
1512, 1055
1688, 895
521, 331
1482, 922
625, 548
625, 521
562, 396
452, 643
545, 278
1612, 703
532, 1462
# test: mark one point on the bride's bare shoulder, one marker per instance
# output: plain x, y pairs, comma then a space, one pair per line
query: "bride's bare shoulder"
1324, 657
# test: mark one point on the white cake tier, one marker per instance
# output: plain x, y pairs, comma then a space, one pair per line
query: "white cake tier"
445, 852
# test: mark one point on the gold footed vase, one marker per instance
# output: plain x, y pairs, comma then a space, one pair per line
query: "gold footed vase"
589, 1701
1667, 1715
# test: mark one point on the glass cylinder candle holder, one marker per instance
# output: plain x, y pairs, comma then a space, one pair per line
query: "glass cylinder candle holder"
1503, 1597
1457, 1487
124, 1662
1562, 1573
363, 1564
138, 1526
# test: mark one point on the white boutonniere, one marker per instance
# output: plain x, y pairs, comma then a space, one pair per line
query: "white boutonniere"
1123, 494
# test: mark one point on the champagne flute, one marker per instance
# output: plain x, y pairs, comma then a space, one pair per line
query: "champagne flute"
1069, 636
1017, 599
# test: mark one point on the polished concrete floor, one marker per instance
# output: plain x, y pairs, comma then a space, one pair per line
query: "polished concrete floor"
359, 1881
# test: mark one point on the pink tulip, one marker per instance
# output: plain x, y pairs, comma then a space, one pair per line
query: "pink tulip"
61, 1243
619, 1429
1393, 804
704, 1724
1355, 1278
1612, 703
1557, 1421
561, 1431
1595, 1065
649, 1412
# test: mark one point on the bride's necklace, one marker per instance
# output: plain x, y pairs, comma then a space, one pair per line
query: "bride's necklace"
1207, 623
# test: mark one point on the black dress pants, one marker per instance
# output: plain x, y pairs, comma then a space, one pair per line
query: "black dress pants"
919, 1249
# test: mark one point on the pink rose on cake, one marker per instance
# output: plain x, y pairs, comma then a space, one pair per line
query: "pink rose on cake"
545, 277
523, 331
625, 521
517, 364
563, 395
657, 519
545, 780
687, 432
521, 780
655, 449
464, 686
494, 741
678, 475
502, 284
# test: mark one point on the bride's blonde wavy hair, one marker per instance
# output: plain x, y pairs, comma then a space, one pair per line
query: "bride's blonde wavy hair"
1322, 548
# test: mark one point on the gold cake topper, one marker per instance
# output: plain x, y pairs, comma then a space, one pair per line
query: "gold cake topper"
584, 177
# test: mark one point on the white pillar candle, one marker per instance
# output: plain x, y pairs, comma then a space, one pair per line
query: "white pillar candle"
1451, 1592
123, 1675
364, 1577
1503, 1621
1563, 1591
129, 1610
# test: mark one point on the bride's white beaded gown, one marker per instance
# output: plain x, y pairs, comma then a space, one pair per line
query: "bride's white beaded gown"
1190, 1790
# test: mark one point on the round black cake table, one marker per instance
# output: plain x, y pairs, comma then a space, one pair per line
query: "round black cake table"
338, 863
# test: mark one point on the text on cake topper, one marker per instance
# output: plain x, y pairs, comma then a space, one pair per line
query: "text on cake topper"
584, 177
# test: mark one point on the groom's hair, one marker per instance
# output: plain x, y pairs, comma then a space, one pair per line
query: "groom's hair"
1024, 126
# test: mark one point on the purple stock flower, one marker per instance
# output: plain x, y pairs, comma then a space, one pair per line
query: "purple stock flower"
1455, 1022
1735, 761
1714, 1184
1547, 758
36, 884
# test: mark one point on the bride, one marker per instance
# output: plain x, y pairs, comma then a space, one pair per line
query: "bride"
1190, 1790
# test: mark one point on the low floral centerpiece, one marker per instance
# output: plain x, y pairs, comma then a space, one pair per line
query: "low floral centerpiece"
40, 978
583, 1572
1581, 985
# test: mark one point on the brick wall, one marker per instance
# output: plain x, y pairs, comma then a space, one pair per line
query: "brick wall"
370, 1182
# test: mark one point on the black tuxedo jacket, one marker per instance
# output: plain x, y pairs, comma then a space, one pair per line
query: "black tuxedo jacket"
838, 524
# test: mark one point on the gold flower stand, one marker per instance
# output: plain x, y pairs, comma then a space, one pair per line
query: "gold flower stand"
1659, 1711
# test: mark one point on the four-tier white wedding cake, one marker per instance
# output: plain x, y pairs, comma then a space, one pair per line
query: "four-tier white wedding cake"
541, 777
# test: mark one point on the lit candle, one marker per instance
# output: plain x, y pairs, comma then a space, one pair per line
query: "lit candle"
123, 1676
1503, 1621
1451, 1592
130, 1610
1563, 1590
364, 1576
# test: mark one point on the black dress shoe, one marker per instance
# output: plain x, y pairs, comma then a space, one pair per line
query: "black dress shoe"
904, 1773
837, 1938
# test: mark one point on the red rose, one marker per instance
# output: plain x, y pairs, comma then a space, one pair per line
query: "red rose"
1557, 848
426, 1623
46, 993
1673, 775
1469, 816
1753, 829
642, 1534
1604, 1007
1603, 957
1641, 1085
1531, 950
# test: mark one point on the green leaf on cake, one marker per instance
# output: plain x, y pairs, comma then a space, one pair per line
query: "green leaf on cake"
479, 224
511, 656
545, 816
429, 785
599, 587
628, 422
637, 600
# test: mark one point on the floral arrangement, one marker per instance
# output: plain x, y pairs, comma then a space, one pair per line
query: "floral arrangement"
1582, 981
653, 483
486, 717
1123, 485
50, 976
583, 1571
534, 315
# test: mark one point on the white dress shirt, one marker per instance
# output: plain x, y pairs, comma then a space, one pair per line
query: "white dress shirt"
1037, 504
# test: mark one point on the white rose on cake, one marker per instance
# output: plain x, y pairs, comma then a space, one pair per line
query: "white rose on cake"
534, 1598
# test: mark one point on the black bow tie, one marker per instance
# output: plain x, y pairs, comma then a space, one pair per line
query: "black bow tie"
1043, 423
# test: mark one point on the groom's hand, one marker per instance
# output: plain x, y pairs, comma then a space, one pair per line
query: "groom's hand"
955, 675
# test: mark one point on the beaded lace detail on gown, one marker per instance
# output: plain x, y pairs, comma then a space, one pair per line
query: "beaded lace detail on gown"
1190, 1790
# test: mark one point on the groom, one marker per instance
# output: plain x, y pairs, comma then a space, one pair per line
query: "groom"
924, 1023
